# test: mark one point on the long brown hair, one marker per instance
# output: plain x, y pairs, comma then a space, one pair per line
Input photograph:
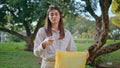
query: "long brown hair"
48, 25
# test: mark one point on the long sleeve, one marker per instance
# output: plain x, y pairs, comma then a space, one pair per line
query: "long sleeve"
71, 44
38, 49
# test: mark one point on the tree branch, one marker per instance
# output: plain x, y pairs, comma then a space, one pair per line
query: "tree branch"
90, 10
27, 28
109, 48
25, 24
39, 24
13, 33
105, 5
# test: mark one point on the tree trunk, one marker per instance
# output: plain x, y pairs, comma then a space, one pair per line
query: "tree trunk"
29, 43
101, 31
28, 39
29, 46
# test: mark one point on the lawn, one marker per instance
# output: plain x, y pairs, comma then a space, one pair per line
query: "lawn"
12, 54
18, 59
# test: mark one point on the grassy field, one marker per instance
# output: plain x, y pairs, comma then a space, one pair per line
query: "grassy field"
12, 54
18, 59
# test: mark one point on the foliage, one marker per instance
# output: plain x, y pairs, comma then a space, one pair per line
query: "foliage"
14, 38
116, 20
19, 11
116, 10
78, 25
116, 6
82, 8
114, 27
66, 6
27, 11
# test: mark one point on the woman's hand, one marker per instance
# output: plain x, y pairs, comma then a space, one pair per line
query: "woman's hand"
87, 53
48, 41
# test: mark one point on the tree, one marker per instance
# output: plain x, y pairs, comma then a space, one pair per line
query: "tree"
101, 29
19, 16
78, 24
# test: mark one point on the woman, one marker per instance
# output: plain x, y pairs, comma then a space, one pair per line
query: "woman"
52, 37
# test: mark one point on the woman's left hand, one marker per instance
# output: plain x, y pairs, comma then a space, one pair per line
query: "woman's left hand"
87, 53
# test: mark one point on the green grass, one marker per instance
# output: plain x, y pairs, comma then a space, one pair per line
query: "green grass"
18, 59
12, 54
115, 56
12, 46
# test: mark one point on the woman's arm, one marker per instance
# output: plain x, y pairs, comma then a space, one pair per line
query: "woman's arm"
71, 44
38, 43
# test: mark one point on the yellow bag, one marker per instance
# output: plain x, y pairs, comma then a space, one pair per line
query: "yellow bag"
66, 59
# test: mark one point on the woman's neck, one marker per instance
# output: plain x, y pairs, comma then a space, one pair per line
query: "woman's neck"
55, 27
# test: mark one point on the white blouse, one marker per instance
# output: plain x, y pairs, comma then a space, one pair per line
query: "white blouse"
65, 44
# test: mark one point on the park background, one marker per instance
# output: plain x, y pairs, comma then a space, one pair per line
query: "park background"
21, 19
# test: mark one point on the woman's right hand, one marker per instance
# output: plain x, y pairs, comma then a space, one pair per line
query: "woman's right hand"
48, 41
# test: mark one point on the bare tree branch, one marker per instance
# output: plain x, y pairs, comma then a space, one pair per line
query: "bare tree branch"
27, 28
109, 48
13, 33
90, 10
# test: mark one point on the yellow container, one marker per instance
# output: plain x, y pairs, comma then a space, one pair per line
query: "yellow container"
66, 59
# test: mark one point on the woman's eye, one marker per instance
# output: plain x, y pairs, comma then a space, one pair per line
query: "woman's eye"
56, 14
51, 14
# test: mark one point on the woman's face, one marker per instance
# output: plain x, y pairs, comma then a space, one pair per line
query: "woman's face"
54, 16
